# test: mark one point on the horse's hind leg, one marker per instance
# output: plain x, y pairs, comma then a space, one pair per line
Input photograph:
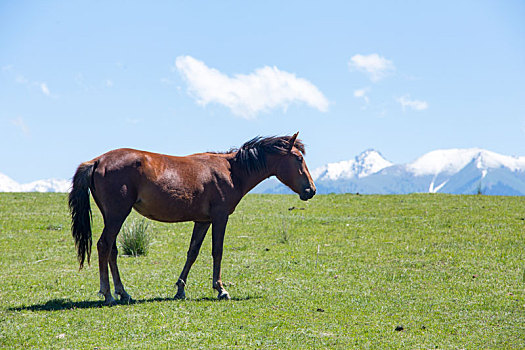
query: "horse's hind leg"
105, 247
119, 287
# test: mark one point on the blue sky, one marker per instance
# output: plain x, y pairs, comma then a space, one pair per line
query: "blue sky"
403, 77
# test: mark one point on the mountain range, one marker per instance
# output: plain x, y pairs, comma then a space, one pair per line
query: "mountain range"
457, 171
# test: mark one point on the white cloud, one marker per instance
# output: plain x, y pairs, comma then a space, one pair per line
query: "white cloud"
416, 105
362, 94
375, 66
20, 124
248, 95
20, 79
109, 83
45, 89
42, 86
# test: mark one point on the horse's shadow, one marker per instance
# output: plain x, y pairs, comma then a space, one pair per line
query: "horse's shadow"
67, 304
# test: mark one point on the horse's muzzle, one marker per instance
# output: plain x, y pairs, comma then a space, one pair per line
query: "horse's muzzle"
307, 193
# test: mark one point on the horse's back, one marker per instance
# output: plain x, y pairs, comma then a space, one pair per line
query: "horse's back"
163, 187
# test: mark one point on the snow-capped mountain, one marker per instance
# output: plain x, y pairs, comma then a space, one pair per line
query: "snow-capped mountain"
453, 160
51, 185
452, 169
367, 163
459, 171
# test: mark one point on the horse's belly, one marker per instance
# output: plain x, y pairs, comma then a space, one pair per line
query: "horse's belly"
172, 211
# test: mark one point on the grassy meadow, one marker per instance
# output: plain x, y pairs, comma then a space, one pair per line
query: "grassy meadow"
340, 271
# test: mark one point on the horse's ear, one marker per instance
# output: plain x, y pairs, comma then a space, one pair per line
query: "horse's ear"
292, 140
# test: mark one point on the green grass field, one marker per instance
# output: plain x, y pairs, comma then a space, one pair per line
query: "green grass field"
412, 271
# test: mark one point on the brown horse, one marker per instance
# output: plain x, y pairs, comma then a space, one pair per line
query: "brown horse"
204, 188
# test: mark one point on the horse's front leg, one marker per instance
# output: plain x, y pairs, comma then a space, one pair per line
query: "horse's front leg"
199, 232
218, 229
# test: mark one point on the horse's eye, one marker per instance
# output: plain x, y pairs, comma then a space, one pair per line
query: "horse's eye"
300, 158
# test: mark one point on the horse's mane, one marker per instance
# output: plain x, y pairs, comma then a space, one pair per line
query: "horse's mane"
252, 154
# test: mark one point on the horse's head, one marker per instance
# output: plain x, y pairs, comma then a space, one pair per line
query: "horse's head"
293, 172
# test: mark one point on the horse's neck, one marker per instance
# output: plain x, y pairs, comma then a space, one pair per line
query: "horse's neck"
247, 182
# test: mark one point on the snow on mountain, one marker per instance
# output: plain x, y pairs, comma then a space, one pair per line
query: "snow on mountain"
445, 165
459, 171
368, 162
451, 161
51, 185
7, 184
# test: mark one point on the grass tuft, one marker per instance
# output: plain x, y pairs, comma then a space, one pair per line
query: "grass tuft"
285, 235
134, 238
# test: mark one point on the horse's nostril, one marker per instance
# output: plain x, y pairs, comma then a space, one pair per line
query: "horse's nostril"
309, 192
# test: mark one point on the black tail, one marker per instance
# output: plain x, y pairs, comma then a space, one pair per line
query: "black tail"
81, 211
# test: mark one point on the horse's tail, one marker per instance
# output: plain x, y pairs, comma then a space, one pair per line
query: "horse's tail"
81, 210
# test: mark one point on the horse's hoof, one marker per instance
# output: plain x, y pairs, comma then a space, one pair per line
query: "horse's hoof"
110, 301
126, 298
224, 295
180, 295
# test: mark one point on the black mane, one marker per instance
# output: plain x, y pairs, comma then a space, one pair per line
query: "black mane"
252, 154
